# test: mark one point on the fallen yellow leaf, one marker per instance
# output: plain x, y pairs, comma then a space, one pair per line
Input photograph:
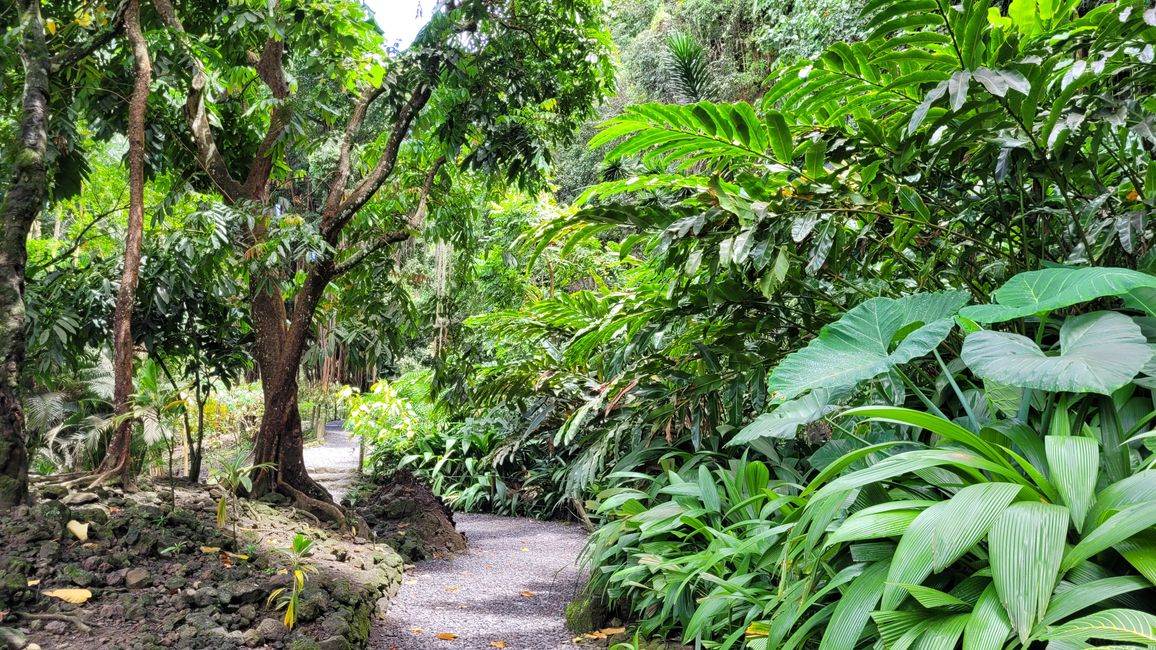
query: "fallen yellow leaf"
79, 530
210, 549
611, 631
33, 583
74, 596
415, 630
237, 556
446, 636
526, 594
451, 588
497, 644
525, 549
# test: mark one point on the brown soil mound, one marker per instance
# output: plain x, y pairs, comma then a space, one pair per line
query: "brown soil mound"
409, 517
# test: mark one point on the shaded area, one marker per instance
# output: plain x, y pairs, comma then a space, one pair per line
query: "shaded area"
478, 595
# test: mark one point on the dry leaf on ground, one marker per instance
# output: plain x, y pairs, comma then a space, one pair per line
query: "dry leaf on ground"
446, 636
79, 530
526, 594
497, 644
74, 596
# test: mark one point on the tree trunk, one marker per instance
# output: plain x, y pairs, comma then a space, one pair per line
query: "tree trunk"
20, 208
117, 461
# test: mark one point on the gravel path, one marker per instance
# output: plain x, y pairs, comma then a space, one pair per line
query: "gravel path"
334, 464
511, 586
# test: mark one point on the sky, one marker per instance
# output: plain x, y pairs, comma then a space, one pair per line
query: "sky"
401, 20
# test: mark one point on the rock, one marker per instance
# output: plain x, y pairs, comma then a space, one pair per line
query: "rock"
12, 638
204, 596
48, 550
115, 578
55, 492
95, 513
252, 637
112, 611
55, 627
79, 576
334, 643
79, 499
137, 578
270, 629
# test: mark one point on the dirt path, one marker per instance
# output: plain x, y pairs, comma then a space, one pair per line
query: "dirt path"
511, 586
334, 464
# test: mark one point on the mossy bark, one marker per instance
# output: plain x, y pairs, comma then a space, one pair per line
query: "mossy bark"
21, 207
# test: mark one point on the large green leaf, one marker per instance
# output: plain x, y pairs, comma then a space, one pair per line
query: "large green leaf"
1026, 545
785, 420
941, 535
988, 627
854, 609
1127, 625
1049, 289
1117, 528
1075, 465
867, 341
1099, 353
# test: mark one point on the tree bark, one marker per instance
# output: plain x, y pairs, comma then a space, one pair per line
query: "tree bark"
117, 461
20, 208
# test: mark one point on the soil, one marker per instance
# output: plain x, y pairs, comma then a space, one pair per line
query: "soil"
160, 577
405, 514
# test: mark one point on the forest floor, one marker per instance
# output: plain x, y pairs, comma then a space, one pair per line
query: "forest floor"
508, 590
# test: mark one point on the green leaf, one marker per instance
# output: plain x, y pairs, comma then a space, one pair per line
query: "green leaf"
1099, 353
784, 422
988, 627
932, 598
1140, 551
1127, 625
1074, 598
1026, 545
780, 137
1115, 529
943, 533
1075, 465
862, 344
872, 525
854, 609
1046, 290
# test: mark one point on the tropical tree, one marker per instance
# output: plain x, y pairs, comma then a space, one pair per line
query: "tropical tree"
484, 85
24, 197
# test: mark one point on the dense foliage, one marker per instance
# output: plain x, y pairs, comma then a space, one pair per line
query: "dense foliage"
836, 326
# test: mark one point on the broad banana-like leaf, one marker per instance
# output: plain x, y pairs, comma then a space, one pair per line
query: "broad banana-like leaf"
1126, 625
867, 341
1075, 465
1140, 551
1026, 545
1046, 290
1099, 353
942, 534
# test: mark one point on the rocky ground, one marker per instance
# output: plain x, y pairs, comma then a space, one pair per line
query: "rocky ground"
407, 516
151, 576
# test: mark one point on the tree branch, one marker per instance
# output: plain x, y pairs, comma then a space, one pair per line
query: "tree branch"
333, 222
351, 262
337, 186
77, 243
74, 54
208, 156
270, 67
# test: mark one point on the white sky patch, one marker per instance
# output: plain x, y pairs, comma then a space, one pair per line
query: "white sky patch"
401, 20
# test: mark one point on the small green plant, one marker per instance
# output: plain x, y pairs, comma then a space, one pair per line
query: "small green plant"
232, 474
298, 569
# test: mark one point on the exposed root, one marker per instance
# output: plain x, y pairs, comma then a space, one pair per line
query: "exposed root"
114, 476
327, 511
76, 622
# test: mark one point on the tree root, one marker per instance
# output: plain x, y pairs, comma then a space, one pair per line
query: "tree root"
327, 511
76, 622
